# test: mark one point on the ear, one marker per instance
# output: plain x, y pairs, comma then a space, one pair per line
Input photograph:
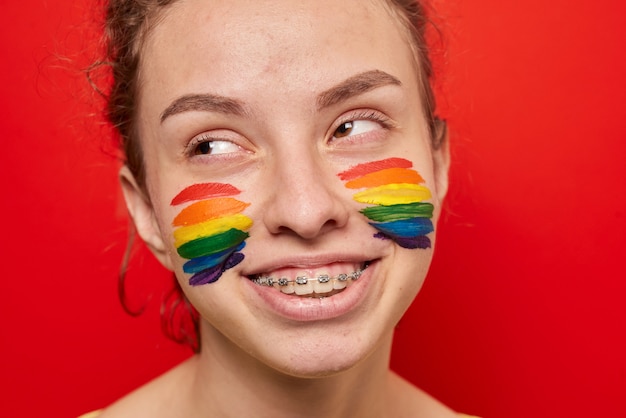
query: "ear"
142, 213
441, 159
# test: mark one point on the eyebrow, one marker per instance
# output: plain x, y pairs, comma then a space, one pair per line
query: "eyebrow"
351, 87
354, 86
204, 103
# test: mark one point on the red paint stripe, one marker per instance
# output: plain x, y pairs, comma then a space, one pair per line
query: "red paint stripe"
366, 168
204, 191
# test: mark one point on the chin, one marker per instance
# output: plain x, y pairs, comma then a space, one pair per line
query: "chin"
310, 357
317, 369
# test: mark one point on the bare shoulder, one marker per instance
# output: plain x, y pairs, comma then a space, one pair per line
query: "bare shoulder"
412, 402
163, 396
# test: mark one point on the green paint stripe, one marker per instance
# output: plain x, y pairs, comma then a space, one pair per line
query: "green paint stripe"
398, 212
210, 245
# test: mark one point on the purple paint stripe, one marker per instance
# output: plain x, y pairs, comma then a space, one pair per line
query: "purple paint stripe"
420, 241
209, 275
213, 274
233, 260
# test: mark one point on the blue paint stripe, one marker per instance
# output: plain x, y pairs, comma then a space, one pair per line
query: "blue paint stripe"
405, 228
198, 264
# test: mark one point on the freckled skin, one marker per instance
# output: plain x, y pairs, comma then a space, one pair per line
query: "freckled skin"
287, 169
275, 59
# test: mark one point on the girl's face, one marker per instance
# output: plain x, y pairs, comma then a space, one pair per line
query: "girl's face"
281, 141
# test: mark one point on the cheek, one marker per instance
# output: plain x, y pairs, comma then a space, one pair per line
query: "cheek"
210, 231
398, 196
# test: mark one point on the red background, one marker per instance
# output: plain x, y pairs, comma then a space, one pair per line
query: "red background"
523, 314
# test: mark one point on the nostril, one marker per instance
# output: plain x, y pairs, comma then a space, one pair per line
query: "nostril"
306, 219
306, 198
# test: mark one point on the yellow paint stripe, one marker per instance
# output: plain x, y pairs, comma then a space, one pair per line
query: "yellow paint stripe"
393, 194
211, 227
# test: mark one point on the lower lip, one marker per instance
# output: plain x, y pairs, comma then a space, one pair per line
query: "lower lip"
305, 309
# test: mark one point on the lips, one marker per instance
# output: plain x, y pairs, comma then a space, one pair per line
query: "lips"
312, 283
319, 282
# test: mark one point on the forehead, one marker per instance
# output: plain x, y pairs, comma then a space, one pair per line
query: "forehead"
244, 47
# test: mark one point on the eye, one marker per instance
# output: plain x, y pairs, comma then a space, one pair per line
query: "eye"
204, 145
355, 127
362, 126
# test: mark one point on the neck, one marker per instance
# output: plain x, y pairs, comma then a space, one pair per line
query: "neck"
230, 383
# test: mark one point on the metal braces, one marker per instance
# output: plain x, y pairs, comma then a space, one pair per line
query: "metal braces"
302, 280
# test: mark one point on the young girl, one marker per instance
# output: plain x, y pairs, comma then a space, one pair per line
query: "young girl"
285, 162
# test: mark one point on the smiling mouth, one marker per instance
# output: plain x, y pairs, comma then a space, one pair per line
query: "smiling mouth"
321, 285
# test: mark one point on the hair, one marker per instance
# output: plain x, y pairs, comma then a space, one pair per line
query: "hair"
126, 27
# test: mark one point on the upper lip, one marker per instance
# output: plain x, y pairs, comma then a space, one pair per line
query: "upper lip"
305, 261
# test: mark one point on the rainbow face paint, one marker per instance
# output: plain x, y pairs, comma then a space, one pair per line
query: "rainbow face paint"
399, 212
210, 232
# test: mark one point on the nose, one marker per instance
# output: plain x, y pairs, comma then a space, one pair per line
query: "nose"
305, 199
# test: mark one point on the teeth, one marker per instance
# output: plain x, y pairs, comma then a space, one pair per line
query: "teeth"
322, 284
303, 285
286, 286
338, 284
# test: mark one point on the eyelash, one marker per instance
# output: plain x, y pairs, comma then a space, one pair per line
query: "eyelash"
357, 115
368, 115
196, 142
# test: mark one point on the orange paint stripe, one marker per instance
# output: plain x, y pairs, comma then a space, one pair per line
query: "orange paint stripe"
387, 176
209, 209
366, 168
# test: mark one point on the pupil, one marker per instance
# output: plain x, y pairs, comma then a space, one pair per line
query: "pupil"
204, 148
344, 129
